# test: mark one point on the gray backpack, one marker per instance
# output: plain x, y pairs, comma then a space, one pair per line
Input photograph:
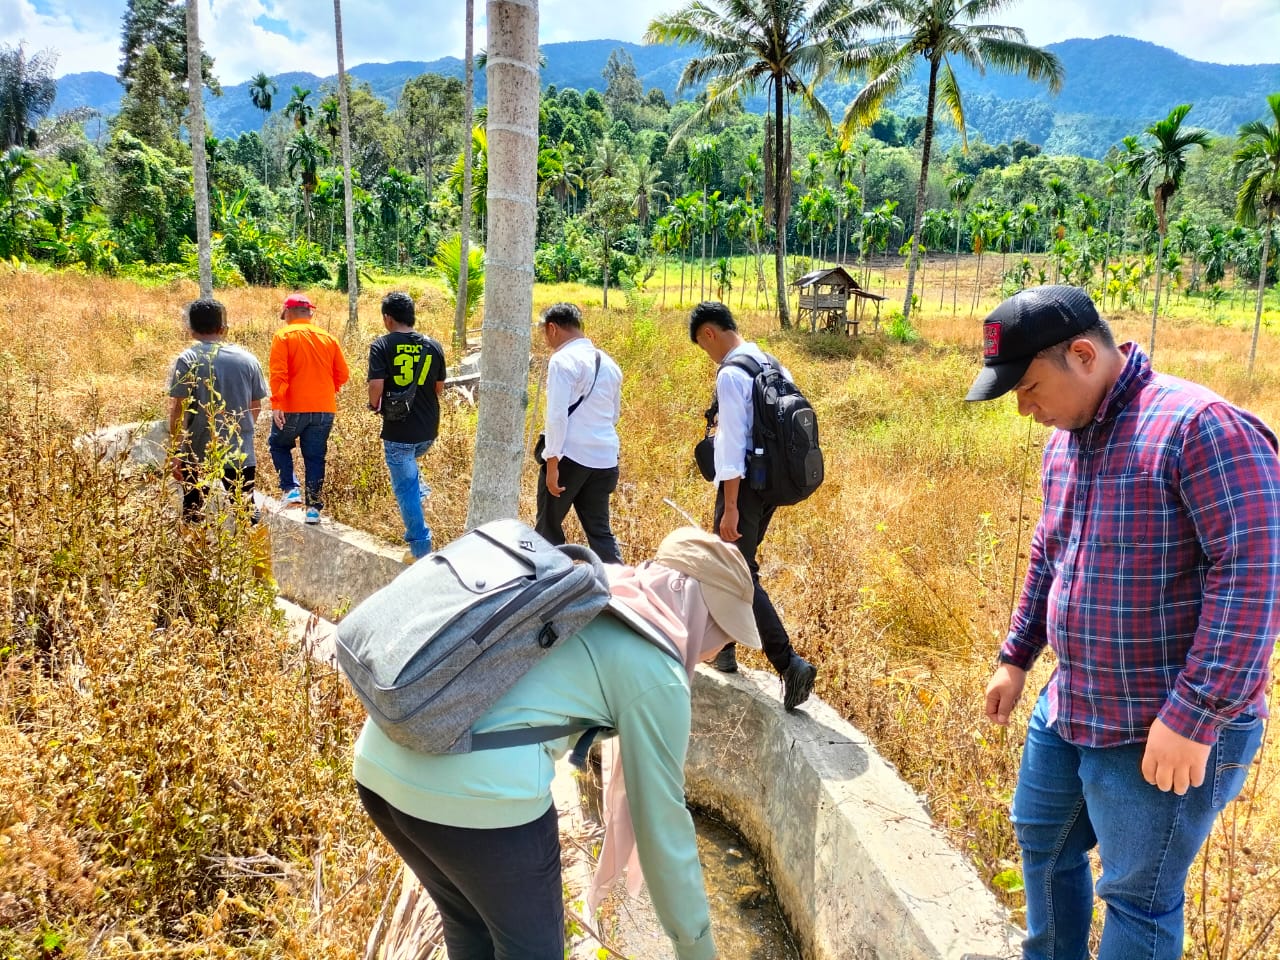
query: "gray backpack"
429, 653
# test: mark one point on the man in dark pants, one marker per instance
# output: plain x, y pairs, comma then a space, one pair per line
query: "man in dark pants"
579, 462
742, 518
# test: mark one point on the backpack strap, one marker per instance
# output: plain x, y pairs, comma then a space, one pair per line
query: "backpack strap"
523, 736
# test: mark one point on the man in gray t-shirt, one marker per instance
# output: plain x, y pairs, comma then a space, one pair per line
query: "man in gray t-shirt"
215, 393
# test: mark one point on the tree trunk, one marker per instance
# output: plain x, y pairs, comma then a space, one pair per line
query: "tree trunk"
199, 163
348, 202
464, 224
780, 170
512, 202
1155, 300
1262, 289
608, 248
918, 219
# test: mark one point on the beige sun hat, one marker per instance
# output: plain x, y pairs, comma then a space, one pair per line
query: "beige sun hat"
723, 575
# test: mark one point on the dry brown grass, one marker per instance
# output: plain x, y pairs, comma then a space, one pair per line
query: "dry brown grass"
896, 577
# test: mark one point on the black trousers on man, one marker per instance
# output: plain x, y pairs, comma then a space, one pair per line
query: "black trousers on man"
587, 490
753, 522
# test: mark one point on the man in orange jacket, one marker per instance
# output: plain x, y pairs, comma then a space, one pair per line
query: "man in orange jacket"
306, 369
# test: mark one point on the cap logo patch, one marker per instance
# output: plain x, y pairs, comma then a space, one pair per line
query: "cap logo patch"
991, 339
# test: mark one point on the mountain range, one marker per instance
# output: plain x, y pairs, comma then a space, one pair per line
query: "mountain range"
1113, 86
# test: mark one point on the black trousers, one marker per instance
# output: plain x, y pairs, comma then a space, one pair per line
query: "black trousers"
498, 891
753, 522
587, 490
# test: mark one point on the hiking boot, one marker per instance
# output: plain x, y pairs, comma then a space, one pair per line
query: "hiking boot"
726, 660
292, 497
797, 682
313, 515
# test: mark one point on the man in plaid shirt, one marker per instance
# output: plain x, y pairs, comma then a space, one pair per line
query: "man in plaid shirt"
1155, 579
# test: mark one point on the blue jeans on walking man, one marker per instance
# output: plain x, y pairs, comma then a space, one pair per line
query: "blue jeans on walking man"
310, 431
410, 490
1071, 798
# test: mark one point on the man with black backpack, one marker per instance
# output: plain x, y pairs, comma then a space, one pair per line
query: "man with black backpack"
406, 378
766, 455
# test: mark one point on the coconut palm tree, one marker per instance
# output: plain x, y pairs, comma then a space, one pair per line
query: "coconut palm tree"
262, 90
936, 30
199, 163
1256, 167
27, 92
1159, 167
648, 187
783, 45
504, 365
304, 154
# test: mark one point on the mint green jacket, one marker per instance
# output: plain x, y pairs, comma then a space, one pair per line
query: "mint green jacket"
607, 676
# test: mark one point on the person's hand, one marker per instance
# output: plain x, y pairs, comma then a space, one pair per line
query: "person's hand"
1003, 692
729, 524
1172, 761
553, 477
175, 468
277, 417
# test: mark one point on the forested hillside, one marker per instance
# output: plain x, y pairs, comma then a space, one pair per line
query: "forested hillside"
1113, 85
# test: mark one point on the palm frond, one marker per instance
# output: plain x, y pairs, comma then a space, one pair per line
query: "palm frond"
949, 94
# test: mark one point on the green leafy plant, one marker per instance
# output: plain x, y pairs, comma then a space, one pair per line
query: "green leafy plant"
448, 265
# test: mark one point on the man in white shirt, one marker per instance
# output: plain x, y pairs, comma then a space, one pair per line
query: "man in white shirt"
579, 462
742, 518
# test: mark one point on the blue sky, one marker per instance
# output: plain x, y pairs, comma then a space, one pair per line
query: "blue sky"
245, 36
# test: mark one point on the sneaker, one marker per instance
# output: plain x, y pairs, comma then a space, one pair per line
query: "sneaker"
797, 682
726, 660
292, 497
313, 515
408, 559
424, 491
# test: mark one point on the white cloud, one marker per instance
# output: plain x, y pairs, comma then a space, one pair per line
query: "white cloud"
87, 32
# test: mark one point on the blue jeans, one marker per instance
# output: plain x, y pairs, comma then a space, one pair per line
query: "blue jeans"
498, 890
1071, 798
407, 485
311, 432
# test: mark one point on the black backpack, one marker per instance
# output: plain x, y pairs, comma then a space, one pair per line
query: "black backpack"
784, 465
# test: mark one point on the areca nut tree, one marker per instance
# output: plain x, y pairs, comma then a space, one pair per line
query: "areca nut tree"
512, 202
348, 201
262, 90
1256, 166
937, 30
199, 162
297, 109
786, 46
1159, 167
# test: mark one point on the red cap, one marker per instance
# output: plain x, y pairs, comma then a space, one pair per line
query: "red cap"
298, 300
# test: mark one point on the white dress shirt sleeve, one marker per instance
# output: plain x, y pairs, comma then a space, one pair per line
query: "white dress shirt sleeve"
733, 426
561, 377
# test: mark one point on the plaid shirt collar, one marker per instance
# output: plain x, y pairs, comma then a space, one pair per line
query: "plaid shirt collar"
1135, 375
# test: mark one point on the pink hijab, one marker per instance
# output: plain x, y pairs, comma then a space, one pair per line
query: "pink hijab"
671, 601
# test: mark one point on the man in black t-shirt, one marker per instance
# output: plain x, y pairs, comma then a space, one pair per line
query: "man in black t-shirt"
406, 378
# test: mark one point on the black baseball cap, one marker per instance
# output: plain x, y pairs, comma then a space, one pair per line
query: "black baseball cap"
1028, 322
